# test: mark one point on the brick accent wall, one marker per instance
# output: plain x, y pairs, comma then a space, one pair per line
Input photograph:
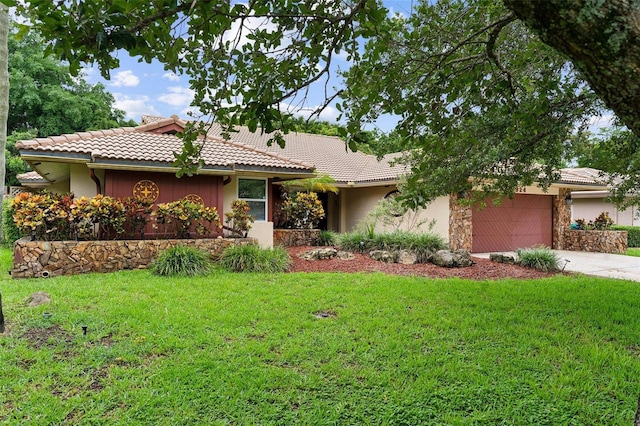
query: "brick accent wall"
53, 258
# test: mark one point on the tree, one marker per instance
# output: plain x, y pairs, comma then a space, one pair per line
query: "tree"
46, 98
617, 153
498, 80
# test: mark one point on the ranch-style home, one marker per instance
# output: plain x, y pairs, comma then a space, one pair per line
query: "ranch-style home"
138, 161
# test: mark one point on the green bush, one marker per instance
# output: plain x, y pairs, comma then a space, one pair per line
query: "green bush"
181, 261
327, 238
633, 234
10, 232
251, 258
422, 244
540, 258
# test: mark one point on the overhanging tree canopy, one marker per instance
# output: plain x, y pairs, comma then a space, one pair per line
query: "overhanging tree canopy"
247, 59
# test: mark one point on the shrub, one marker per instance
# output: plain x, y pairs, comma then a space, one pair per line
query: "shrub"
540, 258
251, 258
422, 244
301, 210
42, 215
602, 223
238, 220
10, 232
633, 234
182, 217
327, 238
137, 212
181, 261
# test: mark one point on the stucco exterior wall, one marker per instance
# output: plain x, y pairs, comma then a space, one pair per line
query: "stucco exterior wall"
590, 208
355, 203
80, 183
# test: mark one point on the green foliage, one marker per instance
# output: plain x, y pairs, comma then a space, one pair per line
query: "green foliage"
327, 238
617, 153
238, 221
45, 98
540, 258
15, 165
182, 261
184, 217
252, 258
301, 210
473, 93
48, 216
633, 234
321, 183
601, 223
10, 232
392, 214
423, 244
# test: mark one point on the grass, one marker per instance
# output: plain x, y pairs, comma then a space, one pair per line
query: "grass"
633, 252
318, 349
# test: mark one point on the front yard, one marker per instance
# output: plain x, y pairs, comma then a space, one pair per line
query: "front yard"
319, 348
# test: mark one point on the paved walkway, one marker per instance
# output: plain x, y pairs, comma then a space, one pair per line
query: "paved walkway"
598, 264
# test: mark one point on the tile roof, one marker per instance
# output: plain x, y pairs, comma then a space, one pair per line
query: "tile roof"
31, 177
141, 144
330, 155
582, 176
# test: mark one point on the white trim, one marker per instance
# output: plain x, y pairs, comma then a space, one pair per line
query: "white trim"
266, 196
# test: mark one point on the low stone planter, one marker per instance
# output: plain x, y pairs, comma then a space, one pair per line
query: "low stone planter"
595, 241
53, 258
295, 237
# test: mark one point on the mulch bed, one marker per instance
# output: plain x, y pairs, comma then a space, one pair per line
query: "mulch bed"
483, 269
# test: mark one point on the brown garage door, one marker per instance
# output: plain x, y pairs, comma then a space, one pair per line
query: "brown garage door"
524, 221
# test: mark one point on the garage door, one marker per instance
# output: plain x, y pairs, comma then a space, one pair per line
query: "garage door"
524, 221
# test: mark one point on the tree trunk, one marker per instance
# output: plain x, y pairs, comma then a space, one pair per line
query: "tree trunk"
4, 96
601, 38
1, 316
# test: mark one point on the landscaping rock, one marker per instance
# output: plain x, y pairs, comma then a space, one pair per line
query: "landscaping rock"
319, 254
39, 298
345, 255
502, 258
383, 256
452, 259
407, 257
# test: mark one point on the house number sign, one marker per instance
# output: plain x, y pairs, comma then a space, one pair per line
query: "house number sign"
146, 190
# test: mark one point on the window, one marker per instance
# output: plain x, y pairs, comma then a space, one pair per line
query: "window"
254, 192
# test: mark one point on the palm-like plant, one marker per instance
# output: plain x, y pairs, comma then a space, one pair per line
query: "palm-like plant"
321, 183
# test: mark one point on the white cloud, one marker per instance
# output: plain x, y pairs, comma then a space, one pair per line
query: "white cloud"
598, 123
328, 114
135, 106
177, 96
125, 79
171, 76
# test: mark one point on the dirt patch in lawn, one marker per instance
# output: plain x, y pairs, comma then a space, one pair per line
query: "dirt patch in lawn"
482, 269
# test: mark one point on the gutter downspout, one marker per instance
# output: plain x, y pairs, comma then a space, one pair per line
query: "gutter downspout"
94, 178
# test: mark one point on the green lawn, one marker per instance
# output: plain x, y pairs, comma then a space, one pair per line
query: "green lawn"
635, 251
315, 349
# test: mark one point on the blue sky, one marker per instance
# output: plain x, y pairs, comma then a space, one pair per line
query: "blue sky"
140, 88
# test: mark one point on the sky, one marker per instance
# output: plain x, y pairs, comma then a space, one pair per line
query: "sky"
147, 89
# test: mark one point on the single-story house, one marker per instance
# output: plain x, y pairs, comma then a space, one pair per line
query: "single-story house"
588, 205
138, 161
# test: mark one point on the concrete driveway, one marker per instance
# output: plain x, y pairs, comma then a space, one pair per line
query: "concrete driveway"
598, 264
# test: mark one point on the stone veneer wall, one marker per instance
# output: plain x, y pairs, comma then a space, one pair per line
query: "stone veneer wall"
596, 241
561, 219
295, 237
460, 225
53, 258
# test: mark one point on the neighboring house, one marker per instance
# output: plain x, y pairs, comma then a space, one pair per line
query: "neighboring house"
115, 162
588, 205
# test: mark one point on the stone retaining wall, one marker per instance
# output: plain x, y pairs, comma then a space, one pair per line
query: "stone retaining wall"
295, 237
596, 241
53, 258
